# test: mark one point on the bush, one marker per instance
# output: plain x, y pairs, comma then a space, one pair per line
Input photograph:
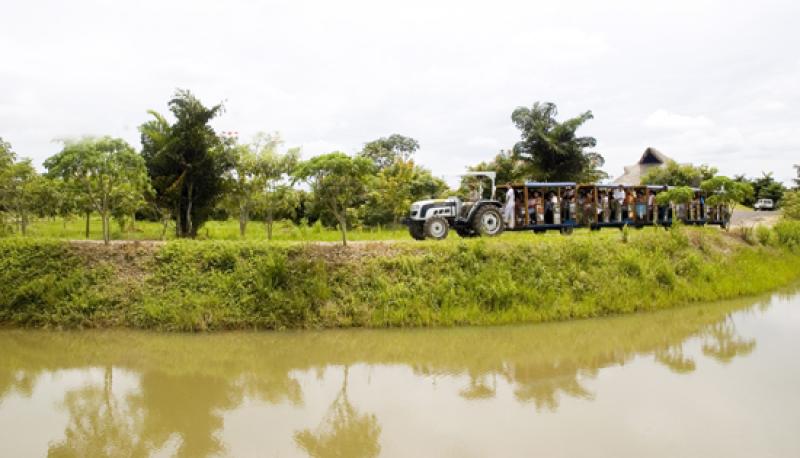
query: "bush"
788, 233
764, 235
790, 203
196, 286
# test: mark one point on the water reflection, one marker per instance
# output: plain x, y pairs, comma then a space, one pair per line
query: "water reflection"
183, 385
343, 432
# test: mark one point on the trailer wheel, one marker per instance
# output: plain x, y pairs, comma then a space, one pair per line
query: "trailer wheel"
488, 221
436, 228
566, 230
415, 229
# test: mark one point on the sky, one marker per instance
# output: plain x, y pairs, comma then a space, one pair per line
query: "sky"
703, 81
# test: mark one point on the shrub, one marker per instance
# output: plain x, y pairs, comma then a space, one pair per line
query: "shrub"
788, 233
764, 235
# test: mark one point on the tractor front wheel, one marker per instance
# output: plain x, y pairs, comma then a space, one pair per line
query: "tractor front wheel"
436, 228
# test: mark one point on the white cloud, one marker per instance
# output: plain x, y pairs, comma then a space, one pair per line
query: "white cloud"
333, 75
663, 119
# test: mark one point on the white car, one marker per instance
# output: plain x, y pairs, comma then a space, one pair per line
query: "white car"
764, 204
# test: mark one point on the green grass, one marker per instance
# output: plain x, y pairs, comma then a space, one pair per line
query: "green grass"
74, 229
210, 285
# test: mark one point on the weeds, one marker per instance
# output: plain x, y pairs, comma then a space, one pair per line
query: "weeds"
210, 285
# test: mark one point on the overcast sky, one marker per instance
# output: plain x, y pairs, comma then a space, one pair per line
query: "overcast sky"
703, 81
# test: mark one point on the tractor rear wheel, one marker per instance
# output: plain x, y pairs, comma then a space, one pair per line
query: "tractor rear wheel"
415, 229
436, 228
488, 221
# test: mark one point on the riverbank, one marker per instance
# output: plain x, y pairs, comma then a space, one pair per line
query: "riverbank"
209, 285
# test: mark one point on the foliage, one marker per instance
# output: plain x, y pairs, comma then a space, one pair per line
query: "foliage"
764, 187
552, 148
186, 161
107, 171
398, 182
508, 167
791, 205
678, 195
387, 151
338, 181
273, 168
188, 285
721, 190
787, 233
674, 174
22, 192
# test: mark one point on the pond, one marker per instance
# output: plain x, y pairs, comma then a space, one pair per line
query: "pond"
719, 379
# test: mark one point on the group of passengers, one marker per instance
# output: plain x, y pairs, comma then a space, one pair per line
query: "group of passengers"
618, 204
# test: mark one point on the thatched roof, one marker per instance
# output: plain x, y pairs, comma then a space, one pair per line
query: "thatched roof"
634, 173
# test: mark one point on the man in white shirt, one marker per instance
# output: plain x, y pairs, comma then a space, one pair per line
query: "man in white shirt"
619, 198
508, 209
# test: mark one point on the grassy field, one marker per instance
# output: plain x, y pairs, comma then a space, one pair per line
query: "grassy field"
75, 229
213, 285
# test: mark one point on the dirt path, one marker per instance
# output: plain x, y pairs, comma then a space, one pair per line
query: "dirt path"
754, 218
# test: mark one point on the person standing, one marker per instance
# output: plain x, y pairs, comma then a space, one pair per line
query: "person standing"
509, 208
619, 198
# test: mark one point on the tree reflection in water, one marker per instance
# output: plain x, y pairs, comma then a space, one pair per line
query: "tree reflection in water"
724, 344
187, 383
343, 432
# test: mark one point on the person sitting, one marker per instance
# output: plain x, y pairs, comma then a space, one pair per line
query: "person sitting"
641, 206
619, 200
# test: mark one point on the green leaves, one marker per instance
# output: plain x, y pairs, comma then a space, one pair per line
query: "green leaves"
724, 191
337, 181
186, 161
553, 149
674, 174
106, 171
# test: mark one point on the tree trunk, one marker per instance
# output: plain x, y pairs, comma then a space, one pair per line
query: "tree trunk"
133, 222
23, 223
243, 218
178, 222
88, 216
106, 230
343, 228
189, 228
269, 223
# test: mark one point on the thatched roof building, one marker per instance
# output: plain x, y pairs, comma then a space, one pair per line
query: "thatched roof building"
634, 173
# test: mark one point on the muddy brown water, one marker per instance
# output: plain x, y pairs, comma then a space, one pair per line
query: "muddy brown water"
719, 379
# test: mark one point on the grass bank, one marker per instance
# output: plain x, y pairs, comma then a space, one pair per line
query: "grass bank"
212, 285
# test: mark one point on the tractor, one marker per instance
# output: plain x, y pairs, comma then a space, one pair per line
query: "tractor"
433, 219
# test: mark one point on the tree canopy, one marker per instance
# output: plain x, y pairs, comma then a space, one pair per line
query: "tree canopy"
106, 170
186, 161
724, 191
338, 181
674, 174
553, 149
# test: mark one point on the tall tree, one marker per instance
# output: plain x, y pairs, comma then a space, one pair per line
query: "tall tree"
386, 151
674, 174
186, 161
104, 169
553, 149
398, 182
273, 169
338, 181
7, 158
22, 192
